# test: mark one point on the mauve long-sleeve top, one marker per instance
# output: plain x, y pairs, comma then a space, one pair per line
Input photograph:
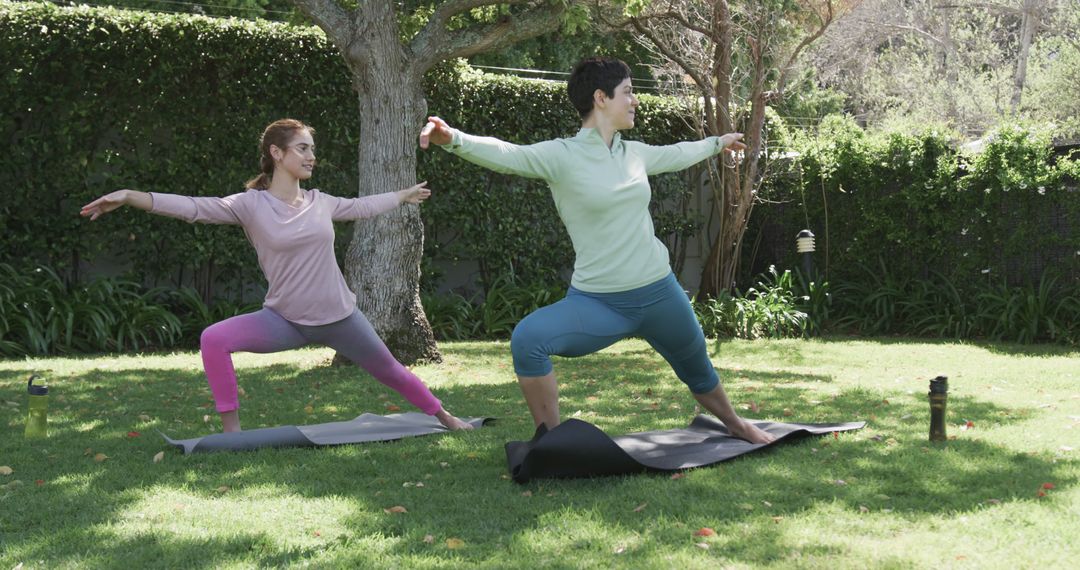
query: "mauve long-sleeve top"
295, 244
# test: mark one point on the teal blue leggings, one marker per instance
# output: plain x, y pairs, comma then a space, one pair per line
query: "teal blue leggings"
583, 323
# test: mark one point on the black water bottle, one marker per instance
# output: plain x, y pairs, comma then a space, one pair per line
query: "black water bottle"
939, 392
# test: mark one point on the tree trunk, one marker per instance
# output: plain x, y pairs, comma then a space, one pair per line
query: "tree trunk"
382, 264
1029, 24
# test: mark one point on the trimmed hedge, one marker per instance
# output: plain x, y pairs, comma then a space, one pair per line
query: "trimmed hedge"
915, 206
99, 99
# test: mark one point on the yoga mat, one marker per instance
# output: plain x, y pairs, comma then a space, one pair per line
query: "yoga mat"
579, 449
365, 428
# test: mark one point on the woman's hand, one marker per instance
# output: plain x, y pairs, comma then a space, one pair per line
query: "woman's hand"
732, 142
435, 131
105, 204
414, 194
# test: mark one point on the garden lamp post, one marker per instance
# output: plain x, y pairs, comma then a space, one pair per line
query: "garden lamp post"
804, 244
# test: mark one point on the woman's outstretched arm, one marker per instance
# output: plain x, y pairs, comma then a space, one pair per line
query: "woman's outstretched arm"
541, 160
114, 200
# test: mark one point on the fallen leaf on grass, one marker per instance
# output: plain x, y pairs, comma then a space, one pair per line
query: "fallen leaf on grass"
1040, 494
100, 457
395, 509
620, 549
222, 489
309, 409
678, 475
777, 519
144, 418
526, 494
787, 412
1047, 485
993, 501
428, 539
840, 482
455, 543
39, 482
241, 392
705, 531
205, 419
5, 470
640, 507
133, 434
393, 408
863, 509
702, 545
159, 456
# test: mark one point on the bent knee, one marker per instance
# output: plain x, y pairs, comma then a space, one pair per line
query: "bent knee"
529, 353
214, 336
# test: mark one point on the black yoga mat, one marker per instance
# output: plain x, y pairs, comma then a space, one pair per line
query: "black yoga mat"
579, 449
365, 428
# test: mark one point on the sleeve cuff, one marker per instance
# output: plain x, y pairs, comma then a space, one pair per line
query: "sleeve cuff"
455, 141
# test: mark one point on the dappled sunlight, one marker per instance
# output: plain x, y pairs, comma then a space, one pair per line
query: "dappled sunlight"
858, 497
288, 520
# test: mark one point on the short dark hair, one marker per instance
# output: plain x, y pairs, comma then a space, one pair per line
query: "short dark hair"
605, 73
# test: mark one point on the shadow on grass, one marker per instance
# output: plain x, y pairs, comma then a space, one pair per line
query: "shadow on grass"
994, 347
77, 507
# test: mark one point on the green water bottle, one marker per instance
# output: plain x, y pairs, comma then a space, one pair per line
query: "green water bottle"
37, 418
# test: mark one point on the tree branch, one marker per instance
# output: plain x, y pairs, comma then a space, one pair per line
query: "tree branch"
436, 42
333, 19
688, 68
825, 20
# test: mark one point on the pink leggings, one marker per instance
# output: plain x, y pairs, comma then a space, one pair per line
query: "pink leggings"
265, 331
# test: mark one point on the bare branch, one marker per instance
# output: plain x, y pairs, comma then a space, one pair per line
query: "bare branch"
825, 20
687, 67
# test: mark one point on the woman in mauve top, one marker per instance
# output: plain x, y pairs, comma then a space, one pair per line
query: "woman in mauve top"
307, 300
622, 283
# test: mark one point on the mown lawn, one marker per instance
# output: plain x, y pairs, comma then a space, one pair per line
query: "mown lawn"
92, 495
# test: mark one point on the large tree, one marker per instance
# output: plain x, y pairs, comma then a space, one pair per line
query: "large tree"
388, 47
737, 57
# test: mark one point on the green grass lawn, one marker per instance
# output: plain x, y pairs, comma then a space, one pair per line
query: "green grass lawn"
877, 497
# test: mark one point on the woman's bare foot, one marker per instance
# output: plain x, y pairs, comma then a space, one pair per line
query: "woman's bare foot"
750, 432
451, 423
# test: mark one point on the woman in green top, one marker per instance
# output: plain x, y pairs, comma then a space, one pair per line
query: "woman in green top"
622, 283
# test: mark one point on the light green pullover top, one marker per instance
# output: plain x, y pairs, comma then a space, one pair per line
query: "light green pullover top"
602, 196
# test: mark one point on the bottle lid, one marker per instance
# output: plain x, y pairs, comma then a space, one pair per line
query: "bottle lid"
36, 390
939, 385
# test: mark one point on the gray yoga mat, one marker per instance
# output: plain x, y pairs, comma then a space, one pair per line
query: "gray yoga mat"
365, 428
579, 449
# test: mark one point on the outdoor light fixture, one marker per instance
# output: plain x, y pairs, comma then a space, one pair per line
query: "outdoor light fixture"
804, 244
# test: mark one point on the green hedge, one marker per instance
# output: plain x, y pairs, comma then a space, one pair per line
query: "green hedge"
913, 204
99, 99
